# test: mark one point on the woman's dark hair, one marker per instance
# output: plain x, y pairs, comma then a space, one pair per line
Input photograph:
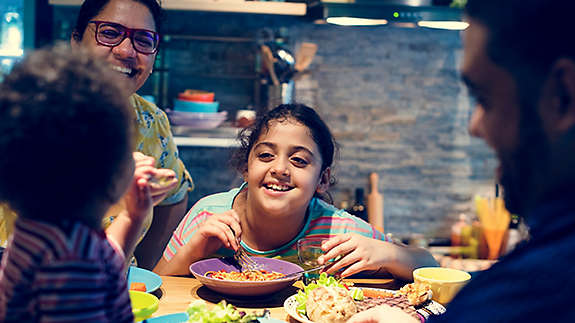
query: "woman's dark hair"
299, 112
66, 135
91, 8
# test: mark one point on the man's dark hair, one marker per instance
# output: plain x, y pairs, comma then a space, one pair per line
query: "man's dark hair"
66, 134
526, 36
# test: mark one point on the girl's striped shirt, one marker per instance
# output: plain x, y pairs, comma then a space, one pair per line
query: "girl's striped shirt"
323, 220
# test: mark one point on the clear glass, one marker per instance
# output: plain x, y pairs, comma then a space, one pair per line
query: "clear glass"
308, 250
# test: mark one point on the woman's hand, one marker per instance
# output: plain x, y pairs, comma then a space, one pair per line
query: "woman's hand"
219, 230
138, 198
161, 180
382, 314
358, 253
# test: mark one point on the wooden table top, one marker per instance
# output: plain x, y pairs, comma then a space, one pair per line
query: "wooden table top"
177, 292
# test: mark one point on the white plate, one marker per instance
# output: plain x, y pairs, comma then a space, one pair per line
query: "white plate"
290, 306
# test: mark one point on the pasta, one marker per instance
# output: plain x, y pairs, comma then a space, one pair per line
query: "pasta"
248, 275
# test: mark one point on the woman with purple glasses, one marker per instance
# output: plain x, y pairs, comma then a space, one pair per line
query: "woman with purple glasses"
125, 33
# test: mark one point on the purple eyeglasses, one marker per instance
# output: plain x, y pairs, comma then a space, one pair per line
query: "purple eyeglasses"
111, 34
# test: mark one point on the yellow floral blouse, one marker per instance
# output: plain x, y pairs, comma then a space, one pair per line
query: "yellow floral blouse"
154, 138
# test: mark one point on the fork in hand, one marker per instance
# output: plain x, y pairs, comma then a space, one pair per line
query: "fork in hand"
244, 260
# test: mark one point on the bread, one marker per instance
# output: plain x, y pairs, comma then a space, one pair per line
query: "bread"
416, 293
330, 305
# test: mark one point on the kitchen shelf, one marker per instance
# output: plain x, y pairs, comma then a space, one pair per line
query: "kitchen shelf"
221, 137
206, 142
238, 6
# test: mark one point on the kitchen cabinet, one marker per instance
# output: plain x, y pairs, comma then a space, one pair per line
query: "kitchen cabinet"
238, 6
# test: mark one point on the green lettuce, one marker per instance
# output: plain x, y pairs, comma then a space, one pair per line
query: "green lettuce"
323, 281
221, 313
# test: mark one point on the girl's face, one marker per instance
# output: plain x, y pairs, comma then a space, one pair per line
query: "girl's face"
134, 66
284, 170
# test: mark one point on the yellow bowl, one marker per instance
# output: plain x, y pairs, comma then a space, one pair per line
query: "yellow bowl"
444, 282
143, 305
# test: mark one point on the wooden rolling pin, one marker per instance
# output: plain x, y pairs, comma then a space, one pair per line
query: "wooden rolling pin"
375, 203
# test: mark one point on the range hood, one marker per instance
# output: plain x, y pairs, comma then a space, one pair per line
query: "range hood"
425, 13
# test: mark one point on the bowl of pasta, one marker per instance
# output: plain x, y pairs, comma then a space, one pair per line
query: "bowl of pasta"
224, 276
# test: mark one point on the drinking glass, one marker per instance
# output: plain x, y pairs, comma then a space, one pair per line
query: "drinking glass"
308, 250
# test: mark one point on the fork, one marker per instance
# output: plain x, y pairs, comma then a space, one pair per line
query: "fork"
246, 262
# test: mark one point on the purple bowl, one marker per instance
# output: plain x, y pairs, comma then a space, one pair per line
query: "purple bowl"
244, 288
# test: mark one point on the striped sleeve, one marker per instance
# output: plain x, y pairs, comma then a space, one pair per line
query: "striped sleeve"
184, 232
328, 220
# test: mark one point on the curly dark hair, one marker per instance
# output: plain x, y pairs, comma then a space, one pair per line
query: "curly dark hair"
66, 134
91, 8
299, 112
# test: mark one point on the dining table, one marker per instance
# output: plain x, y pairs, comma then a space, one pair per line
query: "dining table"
176, 293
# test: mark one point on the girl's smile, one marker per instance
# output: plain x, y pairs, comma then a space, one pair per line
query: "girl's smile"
284, 169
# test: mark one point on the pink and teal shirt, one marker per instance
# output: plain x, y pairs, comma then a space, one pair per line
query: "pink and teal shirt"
323, 220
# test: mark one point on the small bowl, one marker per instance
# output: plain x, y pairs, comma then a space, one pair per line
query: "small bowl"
143, 305
197, 107
196, 95
444, 282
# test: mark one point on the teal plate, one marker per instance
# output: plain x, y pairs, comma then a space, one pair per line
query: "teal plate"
183, 318
139, 275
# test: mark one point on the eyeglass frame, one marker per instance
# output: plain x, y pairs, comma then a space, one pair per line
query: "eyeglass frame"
128, 32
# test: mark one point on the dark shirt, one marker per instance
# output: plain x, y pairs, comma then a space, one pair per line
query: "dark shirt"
534, 283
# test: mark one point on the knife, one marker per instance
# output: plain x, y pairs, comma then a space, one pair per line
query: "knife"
299, 272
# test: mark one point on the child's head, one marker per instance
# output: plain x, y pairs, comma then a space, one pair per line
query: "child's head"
298, 113
65, 136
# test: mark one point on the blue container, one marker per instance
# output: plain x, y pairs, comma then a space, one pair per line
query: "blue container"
193, 106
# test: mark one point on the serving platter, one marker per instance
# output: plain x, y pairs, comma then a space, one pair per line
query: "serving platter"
244, 288
430, 308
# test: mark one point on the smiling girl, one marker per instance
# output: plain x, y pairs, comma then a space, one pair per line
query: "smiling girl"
285, 160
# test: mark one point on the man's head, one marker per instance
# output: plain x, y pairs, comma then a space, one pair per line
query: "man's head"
519, 63
65, 142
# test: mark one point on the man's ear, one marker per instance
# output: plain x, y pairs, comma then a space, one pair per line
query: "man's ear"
558, 100
323, 184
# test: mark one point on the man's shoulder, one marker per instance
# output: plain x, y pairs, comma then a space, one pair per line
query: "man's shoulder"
531, 283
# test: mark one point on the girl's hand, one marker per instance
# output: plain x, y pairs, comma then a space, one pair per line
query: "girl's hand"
219, 230
382, 314
358, 253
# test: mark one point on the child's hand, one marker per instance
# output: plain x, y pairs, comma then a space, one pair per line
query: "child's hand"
381, 314
219, 230
358, 253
